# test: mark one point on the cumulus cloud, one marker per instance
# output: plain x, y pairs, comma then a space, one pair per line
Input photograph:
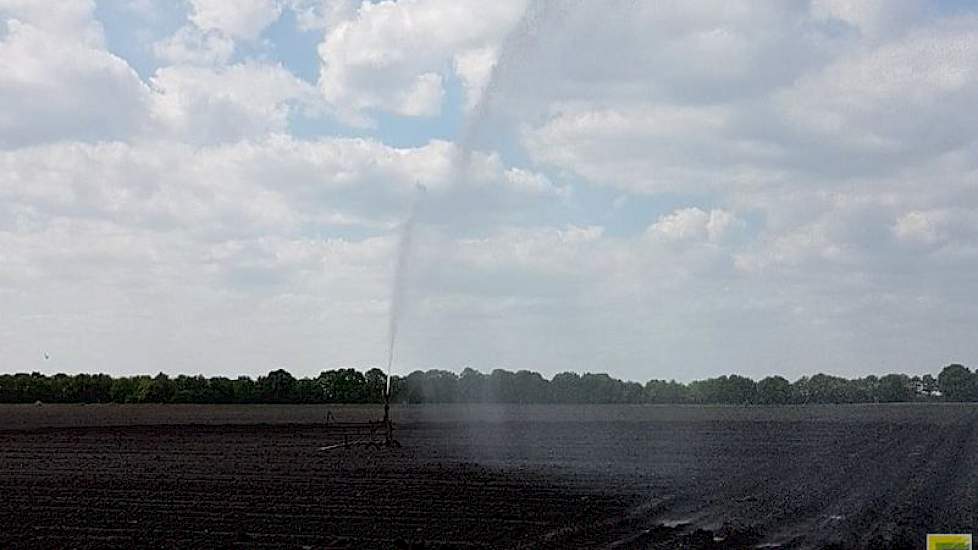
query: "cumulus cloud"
657, 123
695, 224
71, 20
919, 227
273, 185
322, 14
853, 102
191, 45
393, 56
206, 104
55, 77
242, 19
644, 149
947, 227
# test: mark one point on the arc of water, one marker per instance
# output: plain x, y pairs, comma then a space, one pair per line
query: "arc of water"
512, 54
400, 277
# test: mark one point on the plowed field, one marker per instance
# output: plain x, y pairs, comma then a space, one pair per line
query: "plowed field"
105, 476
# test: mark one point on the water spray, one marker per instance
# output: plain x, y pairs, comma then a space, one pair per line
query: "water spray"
514, 49
376, 434
397, 294
514, 53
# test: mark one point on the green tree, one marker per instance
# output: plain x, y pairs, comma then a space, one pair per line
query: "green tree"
343, 386
244, 390
59, 388
440, 386
308, 391
601, 388
277, 387
191, 389
731, 390
958, 383
566, 387
895, 388
737, 390
412, 388
472, 386
774, 390
530, 387
159, 389
632, 392
823, 388
376, 384
221, 390
123, 390
955, 382
502, 386
663, 392
864, 390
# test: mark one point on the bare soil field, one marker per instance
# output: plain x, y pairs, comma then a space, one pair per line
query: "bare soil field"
113, 476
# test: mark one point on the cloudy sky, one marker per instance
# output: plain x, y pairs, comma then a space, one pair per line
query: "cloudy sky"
651, 189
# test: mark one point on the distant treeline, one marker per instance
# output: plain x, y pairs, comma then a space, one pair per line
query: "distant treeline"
954, 383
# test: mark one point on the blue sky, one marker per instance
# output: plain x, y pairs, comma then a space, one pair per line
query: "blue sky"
648, 189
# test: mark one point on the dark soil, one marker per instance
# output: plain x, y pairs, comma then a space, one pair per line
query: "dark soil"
494, 477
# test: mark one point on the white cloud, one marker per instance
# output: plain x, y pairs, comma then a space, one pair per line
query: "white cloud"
191, 45
649, 122
646, 149
54, 87
695, 224
241, 19
392, 56
273, 185
552, 251
322, 14
68, 20
250, 99
952, 227
194, 236
533, 182
858, 106
60, 83
919, 227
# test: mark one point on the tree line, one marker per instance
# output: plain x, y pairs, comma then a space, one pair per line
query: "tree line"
954, 383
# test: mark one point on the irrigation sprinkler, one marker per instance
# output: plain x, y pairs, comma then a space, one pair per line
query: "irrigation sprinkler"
372, 434
381, 434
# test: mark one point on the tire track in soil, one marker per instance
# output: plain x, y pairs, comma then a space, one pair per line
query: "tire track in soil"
932, 495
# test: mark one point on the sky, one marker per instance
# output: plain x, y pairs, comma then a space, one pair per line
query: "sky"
650, 189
